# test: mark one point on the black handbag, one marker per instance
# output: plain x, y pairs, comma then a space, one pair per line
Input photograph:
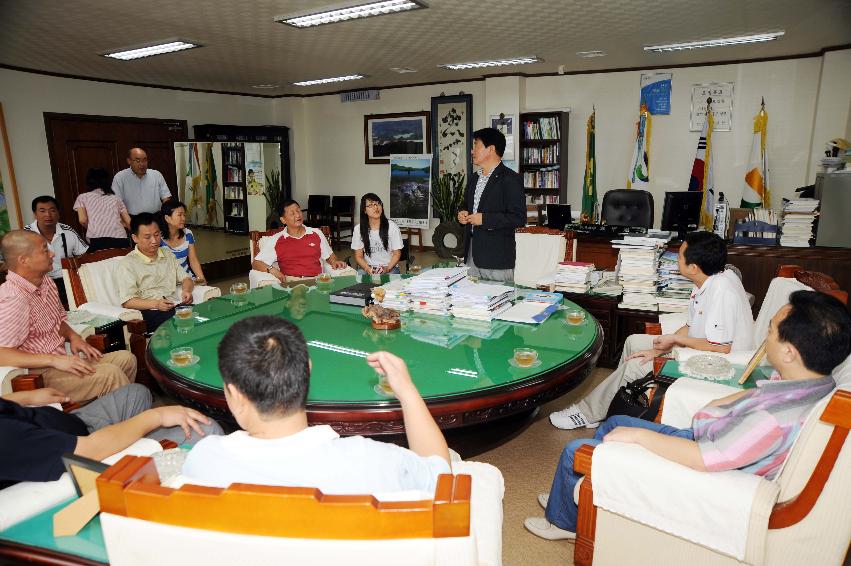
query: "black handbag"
632, 399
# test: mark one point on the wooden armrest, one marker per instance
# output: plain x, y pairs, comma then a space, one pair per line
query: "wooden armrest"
97, 341
653, 328
586, 520
27, 382
168, 444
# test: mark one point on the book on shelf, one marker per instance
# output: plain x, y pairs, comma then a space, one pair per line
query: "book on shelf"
544, 128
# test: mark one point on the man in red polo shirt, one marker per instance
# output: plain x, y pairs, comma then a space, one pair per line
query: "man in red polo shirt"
298, 250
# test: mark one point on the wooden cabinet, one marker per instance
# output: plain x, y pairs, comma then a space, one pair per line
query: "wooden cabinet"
604, 309
632, 322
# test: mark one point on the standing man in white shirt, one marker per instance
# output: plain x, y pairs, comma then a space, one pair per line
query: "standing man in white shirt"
62, 238
141, 189
719, 320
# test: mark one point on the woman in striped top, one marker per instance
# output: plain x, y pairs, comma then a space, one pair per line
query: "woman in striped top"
102, 213
179, 239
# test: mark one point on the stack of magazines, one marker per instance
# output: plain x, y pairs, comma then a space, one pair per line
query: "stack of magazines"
796, 227
674, 289
396, 295
479, 301
638, 261
573, 276
429, 291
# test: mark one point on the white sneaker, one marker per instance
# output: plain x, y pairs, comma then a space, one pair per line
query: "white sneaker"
571, 418
543, 499
541, 527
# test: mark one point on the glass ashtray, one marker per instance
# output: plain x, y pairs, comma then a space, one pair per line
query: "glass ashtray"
169, 463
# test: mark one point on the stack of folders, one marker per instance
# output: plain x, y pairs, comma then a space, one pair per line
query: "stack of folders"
430, 290
674, 289
638, 262
396, 295
479, 301
796, 227
573, 276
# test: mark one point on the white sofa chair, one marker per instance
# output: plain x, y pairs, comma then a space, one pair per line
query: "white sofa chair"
26, 499
680, 516
539, 251
259, 240
304, 529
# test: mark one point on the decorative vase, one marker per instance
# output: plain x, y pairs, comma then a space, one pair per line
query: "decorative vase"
448, 239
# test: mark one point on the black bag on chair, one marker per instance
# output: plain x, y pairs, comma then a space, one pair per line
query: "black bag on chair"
632, 399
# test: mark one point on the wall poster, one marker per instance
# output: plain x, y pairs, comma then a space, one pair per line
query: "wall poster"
722, 106
410, 190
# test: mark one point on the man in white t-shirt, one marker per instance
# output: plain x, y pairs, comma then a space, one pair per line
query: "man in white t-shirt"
265, 369
719, 320
297, 251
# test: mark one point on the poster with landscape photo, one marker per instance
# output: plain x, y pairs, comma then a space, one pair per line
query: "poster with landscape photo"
388, 134
410, 190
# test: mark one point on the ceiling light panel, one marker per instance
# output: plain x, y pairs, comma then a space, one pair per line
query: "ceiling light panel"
494, 63
151, 50
590, 54
740, 40
350, 13
329, 80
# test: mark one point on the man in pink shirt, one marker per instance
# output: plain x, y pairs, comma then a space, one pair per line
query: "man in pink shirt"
33, 327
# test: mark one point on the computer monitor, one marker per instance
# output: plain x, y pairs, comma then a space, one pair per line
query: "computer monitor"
681, 213
558, 215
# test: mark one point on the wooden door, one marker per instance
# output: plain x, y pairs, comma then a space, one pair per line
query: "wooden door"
78, 142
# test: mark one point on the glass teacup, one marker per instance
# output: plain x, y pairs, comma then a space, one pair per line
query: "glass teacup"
525, 357
182, 356
575, 317
324, 278
183, 312
239, 288
415, 269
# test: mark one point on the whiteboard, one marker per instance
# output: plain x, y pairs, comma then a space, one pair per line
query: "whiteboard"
722, 106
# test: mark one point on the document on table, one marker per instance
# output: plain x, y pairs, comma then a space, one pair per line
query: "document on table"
529, 312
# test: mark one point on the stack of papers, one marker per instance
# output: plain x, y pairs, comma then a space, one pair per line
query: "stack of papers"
607, 284
529, 312
479, 301
573, 276
674, 289
396, 295
638, 263
796, 226
429, 291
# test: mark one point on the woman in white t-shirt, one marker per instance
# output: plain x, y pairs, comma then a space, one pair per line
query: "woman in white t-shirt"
376, 241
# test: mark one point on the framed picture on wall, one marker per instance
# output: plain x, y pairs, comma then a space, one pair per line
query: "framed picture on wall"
451, 133
401, 133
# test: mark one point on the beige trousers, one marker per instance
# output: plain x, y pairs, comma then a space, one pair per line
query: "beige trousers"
114, 370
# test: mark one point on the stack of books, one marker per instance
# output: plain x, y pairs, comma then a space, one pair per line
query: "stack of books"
573, 276
638, 263
396, 295
479, 301
796, 226
429, 291
606, 283
674, 289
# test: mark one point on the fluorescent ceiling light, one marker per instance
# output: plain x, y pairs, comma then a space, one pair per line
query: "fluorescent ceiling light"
495, 63
265, 86
329, 80
350, 13
589, 54
756, 38
151, 50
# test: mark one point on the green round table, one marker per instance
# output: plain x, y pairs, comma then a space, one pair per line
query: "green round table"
461, 367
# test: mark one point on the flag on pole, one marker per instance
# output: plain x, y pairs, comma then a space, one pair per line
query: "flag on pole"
755, 193
701, 173
639, 170
193, 181
589, 185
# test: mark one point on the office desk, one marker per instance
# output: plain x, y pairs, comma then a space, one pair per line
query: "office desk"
461, 367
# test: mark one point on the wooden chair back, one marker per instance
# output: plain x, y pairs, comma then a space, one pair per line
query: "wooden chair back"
131, 488
569, 236
821, 282
72, 266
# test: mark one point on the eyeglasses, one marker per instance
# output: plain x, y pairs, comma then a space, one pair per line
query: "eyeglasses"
373, 205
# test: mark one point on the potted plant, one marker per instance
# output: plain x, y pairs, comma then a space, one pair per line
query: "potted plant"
447, 196
274, 194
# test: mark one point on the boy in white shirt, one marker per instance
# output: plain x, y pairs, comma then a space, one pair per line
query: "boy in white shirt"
266, 372
719, 320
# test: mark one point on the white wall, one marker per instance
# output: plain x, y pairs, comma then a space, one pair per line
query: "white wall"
833, 108
26, 96
790, 89
332, 140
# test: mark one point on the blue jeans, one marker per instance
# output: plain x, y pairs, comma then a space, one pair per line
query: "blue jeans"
561, 509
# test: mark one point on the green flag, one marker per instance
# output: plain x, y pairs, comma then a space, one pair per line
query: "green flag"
589, 185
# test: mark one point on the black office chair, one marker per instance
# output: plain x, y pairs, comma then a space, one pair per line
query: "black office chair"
342, 218
628, 207
318, 210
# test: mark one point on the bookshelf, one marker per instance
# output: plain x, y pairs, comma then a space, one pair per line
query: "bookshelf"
233, 185
543, 156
